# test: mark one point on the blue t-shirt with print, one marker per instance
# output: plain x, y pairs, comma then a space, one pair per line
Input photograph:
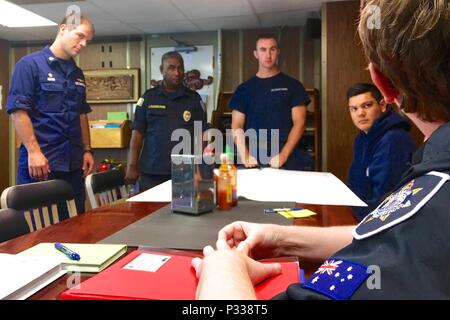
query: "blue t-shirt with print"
267, 104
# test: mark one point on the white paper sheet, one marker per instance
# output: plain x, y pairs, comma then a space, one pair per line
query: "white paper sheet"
22, 276
159, 193
278, 186
295, 186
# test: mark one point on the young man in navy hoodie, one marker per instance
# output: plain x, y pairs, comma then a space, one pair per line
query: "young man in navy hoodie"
382, 150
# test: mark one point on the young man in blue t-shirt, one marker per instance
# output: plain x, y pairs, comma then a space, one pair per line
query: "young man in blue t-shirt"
270, 101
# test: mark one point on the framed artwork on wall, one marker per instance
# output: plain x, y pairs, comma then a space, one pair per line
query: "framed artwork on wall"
112, 85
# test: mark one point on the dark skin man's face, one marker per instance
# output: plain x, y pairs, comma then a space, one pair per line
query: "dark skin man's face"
172, 70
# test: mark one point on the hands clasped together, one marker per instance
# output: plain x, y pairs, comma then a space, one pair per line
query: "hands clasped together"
232, 261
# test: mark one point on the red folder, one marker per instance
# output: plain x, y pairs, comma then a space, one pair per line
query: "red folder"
175, 280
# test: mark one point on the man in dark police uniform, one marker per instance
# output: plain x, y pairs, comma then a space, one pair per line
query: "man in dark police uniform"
47, 101
159, 112
401, 250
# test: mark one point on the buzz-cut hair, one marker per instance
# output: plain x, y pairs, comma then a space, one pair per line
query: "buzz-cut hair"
266, 36
172, 54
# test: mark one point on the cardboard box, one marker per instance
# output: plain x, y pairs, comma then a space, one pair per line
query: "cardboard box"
110, 134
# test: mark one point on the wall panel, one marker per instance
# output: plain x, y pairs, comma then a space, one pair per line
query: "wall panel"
344, 65
289, 60
230, 60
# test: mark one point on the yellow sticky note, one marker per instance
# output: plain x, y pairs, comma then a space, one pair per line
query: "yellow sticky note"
302, 213
297, 213
286, 214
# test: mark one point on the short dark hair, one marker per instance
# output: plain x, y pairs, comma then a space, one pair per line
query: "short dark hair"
266, 36
172, 54
361, 88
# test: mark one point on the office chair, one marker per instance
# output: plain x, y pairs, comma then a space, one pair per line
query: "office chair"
42, 203
105, 187
12, 224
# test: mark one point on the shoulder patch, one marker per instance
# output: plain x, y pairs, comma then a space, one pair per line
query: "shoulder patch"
140, 102
401, 205
337, 278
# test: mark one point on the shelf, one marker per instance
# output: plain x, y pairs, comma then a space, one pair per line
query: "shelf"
110, 134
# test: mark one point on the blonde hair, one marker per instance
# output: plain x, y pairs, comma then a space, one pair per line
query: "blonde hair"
412, 48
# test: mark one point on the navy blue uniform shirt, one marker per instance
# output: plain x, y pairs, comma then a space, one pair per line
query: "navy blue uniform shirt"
158, 114
54, 95
267, 104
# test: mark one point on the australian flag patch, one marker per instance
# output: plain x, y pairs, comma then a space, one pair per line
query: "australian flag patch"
401, 205
337, 278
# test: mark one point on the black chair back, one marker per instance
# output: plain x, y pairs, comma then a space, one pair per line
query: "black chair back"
12, 224
43, 203
105, 187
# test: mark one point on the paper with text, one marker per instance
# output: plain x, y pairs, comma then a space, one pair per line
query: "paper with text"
147, 262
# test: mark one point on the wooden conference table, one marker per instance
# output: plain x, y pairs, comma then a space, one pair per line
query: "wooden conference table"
95, 225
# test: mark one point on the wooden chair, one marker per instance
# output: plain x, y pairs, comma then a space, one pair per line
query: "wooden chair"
42, 203
12, 224
105, 187
221, 117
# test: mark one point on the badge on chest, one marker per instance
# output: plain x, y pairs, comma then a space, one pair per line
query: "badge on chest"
187, 115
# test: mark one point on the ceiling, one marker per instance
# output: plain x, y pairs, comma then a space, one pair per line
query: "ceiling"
134, 17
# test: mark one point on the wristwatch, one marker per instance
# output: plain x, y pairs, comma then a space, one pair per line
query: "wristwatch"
88, 150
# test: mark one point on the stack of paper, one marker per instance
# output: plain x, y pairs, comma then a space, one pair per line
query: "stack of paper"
94, 257
22, 276
276, 185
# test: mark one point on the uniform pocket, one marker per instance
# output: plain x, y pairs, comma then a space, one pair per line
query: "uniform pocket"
156, 119
52, 96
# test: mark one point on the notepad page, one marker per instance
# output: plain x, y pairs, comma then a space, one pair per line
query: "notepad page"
21, 276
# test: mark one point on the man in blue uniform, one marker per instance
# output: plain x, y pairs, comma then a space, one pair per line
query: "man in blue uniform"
401, 250
47, 102
270, 101
159, 112
382, 150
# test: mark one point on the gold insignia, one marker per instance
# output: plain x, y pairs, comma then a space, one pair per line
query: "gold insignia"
187, 115
156, 106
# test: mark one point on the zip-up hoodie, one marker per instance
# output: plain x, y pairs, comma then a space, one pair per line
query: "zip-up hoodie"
380, 157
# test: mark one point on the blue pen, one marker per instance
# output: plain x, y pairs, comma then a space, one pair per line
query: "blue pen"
69, 253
